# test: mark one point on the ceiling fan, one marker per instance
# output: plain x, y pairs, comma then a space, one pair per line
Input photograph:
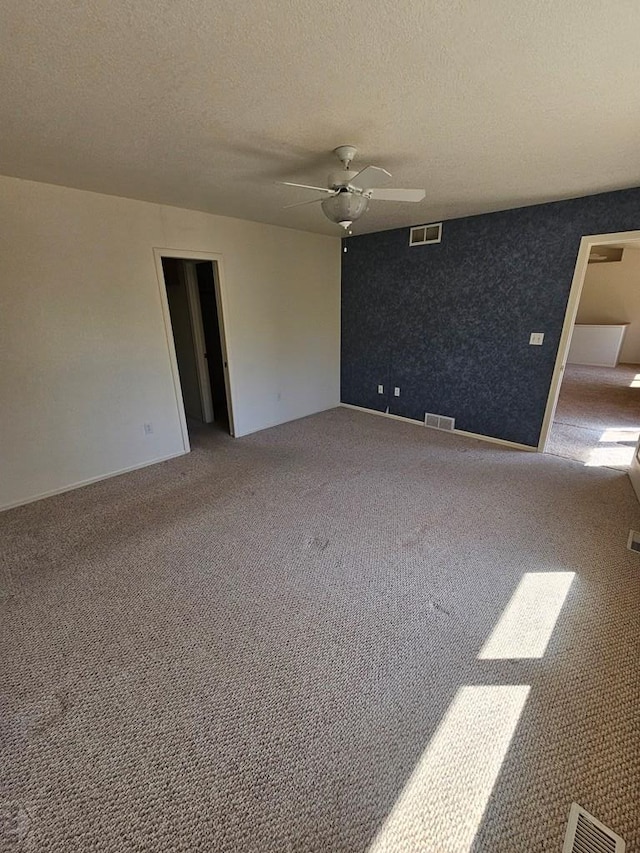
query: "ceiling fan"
348, 193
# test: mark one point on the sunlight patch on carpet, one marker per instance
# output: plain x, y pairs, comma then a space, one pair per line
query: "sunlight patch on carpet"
616, 456
624, 436
528, 620
442, 804
619, 445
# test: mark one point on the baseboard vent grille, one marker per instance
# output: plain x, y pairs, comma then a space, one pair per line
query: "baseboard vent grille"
585, 834
439, 422
633, 542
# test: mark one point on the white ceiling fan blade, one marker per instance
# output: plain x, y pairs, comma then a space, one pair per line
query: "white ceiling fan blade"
365, 177
305, 186
301, 203
396, 195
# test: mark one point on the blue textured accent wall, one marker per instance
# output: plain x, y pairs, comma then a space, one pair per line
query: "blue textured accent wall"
449, 323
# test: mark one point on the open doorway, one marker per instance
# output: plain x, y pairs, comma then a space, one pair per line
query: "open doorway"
596, 418
194, 319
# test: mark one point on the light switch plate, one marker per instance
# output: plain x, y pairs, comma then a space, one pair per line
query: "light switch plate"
380, 389
536, 339
396, 391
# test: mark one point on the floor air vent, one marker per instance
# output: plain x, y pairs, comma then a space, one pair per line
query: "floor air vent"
585, 834
439, 422
633, 542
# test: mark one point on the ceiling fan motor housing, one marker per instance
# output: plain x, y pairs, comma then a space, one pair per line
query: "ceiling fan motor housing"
340, 179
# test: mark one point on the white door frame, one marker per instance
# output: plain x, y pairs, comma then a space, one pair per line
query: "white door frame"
586, 244
634, 470
221, 310
199, 344
219, 280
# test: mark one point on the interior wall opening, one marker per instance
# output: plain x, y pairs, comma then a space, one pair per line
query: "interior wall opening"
195, 312
597, 416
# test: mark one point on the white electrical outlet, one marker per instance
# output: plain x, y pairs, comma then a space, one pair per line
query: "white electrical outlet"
148, 429
536, 339
380, 389
396, 391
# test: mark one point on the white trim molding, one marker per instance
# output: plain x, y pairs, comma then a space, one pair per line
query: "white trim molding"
382, 414
81, 483
512, 444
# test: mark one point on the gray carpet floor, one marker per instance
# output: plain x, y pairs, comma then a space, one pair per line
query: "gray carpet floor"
279, 643
597, 420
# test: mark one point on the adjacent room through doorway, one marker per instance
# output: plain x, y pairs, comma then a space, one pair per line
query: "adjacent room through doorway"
196, 326
597, 419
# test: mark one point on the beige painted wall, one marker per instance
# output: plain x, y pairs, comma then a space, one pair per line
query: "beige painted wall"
84, 357
611, 294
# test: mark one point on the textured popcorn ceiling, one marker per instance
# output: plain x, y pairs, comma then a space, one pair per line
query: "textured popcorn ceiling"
206, 103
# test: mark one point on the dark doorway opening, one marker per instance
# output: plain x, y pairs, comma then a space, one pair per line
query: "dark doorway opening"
213, 342
196, 323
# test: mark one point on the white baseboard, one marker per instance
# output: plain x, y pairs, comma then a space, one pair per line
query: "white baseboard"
512, 444
382, 414
88, 482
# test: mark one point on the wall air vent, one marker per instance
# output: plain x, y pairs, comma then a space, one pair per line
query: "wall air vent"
585, 834
422, 235
439, 422
605, 254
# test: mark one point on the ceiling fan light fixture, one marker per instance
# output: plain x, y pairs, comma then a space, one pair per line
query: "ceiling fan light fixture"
345, 207
348, 193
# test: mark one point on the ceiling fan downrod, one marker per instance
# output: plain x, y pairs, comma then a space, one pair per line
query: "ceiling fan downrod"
345, 153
